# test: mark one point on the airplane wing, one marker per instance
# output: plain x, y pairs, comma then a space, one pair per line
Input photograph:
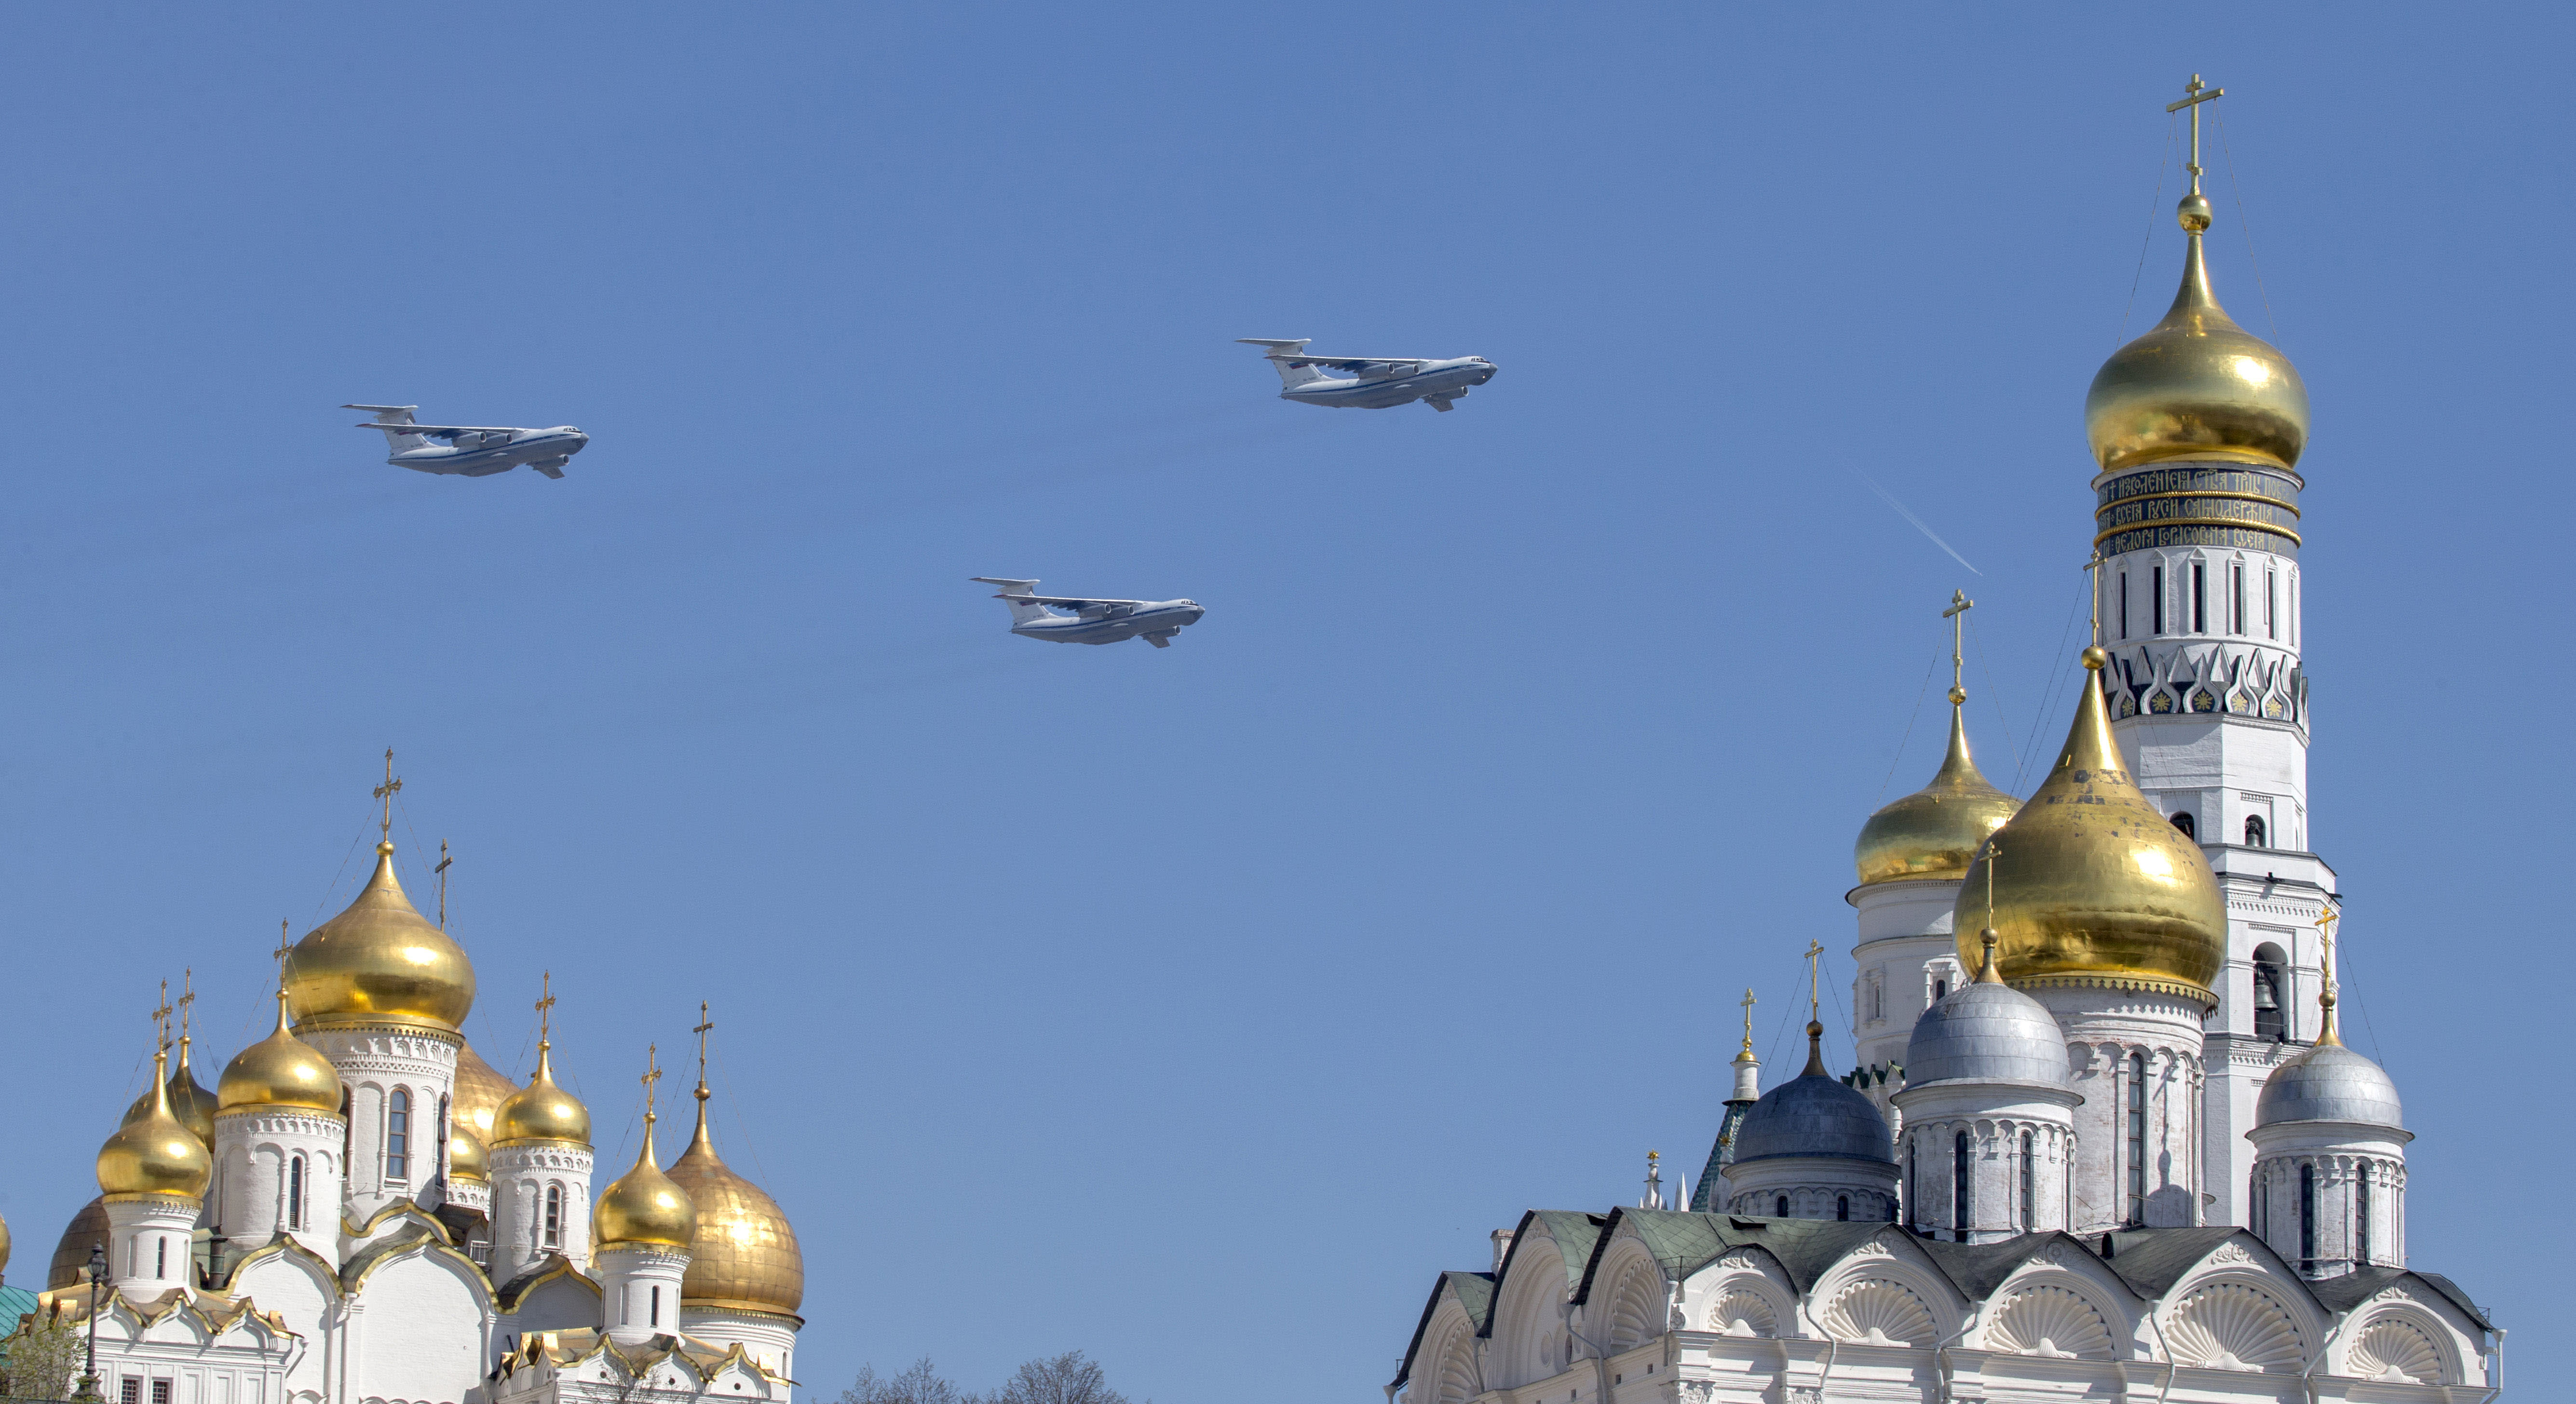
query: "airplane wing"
448, 428
1067, 601
1352, 363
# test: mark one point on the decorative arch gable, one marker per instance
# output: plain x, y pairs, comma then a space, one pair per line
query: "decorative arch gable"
1892, 1259
1637, 1306
1529, 1327
2398, 1347
1744, 1292
2232, 1324
2049, 1319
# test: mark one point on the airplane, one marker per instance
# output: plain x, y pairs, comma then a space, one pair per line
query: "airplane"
1375, 382
1093, 621
472, 450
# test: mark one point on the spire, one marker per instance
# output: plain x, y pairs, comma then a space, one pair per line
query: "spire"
652, 1075
2326, 995
706, 1025
1987, 974
1815, 1021
187, 1017
1654, 1196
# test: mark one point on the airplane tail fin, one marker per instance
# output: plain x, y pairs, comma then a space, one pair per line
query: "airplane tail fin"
1289, 376
389, 418
1022, 610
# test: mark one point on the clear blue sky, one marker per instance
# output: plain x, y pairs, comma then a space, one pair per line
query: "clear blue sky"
1193, 1008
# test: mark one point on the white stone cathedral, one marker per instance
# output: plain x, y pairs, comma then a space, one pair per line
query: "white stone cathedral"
2103, 1142
363, 1211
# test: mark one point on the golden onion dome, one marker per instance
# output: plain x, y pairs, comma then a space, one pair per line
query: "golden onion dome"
1935, 831
189, 1100
280, 1070
2090, 885
745, 1254
644, 1206
480, 1091
88, 1229
466, 1158
157, 1155
380, 962
2196, 385
541, 1111
4, 1245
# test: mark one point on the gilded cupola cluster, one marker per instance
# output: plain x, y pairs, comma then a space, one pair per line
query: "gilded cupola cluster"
2088, 883
380, 963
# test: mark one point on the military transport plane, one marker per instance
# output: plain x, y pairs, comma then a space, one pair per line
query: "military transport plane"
1093, 621
470, 450
1374, 382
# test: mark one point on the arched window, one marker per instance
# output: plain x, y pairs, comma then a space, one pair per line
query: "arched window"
2270, 984
2029, 1187
1960, 1201
2361, 1216
1940, 988
295, 1193
1783, 1207
2254, 1214
160, 1256
2307, 1215
554, 1217
1842, 1206
2182, 820
2254, 833
657, 1308
398, 1135
446, 1133
2138, 1138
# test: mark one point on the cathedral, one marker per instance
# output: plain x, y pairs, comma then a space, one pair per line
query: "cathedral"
2103, 1141
363, 1211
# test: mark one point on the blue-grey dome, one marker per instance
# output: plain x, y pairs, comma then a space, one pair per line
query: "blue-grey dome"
1986, 1033
1814, 1115
2329, 1083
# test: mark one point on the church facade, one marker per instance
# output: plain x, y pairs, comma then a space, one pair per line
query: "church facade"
363, 1211
2103, 1141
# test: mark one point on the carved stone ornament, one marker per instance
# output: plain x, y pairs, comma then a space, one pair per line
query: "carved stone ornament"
1699, 1391
1875, 1248
2054, 1255
2230, 1255
1740, 1262
2394, 1293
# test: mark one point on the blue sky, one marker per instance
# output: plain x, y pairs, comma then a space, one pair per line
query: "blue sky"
1195, 1007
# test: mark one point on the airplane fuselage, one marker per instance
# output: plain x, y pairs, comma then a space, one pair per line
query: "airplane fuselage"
1434, 380
481, 455
1116, 624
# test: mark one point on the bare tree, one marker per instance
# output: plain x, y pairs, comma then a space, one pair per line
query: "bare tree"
1069, 1378
919, 1385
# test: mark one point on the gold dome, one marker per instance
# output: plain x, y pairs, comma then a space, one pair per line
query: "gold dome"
157, 1155
541, 1111
89, 1228
189, 1100
280, 1070
745, 1254
1934, 832
480, 1091
466, 1158
378, 963
4, 1245
2093, 886
644, 1206
2196, 385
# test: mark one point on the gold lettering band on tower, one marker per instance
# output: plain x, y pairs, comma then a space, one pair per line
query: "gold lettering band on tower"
2228, 505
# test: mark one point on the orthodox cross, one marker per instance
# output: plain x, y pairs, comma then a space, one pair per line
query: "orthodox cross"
545, 1009
285, 950
2325, 924
161, 1018
1814, 1010
187, 996
705, 1024
441, 870
652, 1074
1747, 1002
2093, 568
1957, 614
2193, 96
387, 791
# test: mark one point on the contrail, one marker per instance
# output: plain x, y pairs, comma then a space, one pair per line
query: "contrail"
1918, 521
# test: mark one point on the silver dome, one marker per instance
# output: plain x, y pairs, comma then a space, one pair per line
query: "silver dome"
1814, 1115
2329, 1083
1986, 1033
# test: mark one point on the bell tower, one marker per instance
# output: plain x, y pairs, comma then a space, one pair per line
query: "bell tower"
2197, 428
